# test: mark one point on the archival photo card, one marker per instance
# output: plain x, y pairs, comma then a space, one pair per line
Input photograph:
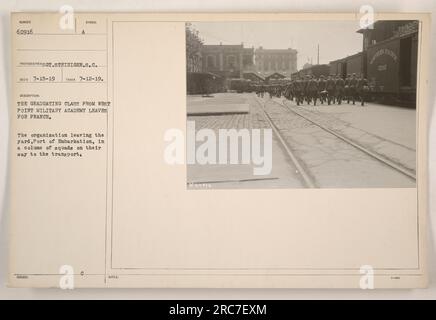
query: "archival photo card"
218, 150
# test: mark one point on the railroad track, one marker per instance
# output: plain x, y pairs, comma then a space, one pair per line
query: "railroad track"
306, 176
308, 180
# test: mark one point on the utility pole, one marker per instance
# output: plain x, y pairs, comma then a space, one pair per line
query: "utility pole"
317, 61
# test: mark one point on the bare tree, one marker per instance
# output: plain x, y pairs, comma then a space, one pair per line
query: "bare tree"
193, 49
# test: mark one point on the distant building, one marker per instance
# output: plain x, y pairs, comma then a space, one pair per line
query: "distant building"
235, 61
229, 61
275, 76
268, 61
253, 76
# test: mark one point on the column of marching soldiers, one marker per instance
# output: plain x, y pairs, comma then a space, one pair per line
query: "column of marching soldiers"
331, 89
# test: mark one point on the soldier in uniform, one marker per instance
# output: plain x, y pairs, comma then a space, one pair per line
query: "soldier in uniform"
270, 90
289, 90
257, 87
353, 88
330, 87
283, 89
312, 90
273, 91
299, 91
293, 90
322, 93
279, 90
304, 82
293, 84
347, 88
362, 90
339, 86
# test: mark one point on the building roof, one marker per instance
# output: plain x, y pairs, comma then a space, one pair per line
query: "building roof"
275, 74
254, 74
212, 46
208, 74
347, 57
226, 47
377, 23
290, 50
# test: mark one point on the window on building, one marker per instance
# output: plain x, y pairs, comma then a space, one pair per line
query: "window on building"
210, 61
247, 60
231, 62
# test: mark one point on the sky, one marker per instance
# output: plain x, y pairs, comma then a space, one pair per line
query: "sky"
336, 39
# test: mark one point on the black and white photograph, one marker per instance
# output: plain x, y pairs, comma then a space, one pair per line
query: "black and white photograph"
301, 104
